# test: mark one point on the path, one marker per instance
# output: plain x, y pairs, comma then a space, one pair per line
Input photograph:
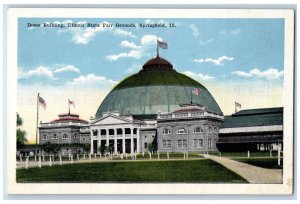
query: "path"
252, 174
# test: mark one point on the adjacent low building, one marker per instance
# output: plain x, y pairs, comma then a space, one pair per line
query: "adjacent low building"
253, 130
191, 128
67, 129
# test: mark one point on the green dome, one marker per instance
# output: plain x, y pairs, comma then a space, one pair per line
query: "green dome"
156, 88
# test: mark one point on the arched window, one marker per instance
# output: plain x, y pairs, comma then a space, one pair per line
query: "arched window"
75, 136
181, 131
198, 130
65, 136
166, 131
215, 129
209, 129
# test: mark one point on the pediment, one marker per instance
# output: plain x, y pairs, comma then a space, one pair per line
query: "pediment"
111, 120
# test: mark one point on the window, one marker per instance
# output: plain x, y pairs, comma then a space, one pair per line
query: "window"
166, 143
198, 130
184, 143
44, 137
145, 136
215, 129
198, 143
75, 136
54, 136
166, 131
95, 132
146, 145
209, 143
181, 144
65, 136
209, 129
181, 131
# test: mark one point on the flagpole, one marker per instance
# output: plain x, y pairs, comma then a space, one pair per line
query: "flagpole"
37, 122
157, 53
69, 105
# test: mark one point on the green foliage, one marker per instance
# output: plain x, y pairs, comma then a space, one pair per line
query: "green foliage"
21, 138
107, 149
21, 134
19, 120
191, 171
48, 147
269, 163
86, 147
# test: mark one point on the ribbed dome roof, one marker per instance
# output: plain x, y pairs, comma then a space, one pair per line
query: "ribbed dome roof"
156, 88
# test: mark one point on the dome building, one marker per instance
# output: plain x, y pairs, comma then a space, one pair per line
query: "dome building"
141, 113
156, 88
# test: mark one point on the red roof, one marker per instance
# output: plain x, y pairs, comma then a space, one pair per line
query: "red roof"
157, 63
69, 117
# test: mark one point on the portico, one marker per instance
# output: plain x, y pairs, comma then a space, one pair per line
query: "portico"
120, 133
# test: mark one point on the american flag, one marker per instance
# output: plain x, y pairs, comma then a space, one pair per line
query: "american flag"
162, 44
238, 105
72, 103
195, 91
42, 102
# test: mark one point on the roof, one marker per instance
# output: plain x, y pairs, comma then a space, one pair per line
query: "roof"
155, 90
69, 117
157, 63
254, 117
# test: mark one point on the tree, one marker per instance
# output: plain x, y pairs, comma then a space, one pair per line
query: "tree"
21, 134
48, 147
86, 147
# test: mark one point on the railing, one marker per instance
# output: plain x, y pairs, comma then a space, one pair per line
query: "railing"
187, 115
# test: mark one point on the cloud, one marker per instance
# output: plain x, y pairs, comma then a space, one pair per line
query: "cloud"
123, 33
131, 54
195, 30
207, 41
128, 44
40, 71
148, 42
198, 76
91, 80
270, 73
217, 61
232, 32
67, 68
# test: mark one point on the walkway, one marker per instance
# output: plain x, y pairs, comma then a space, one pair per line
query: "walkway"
252, 174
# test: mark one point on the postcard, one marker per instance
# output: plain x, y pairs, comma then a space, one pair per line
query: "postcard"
150, 101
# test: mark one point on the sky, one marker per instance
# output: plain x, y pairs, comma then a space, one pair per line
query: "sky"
236, 59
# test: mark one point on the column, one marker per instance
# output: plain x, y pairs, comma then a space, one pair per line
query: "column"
92, 141
131, 140
123, 140
138, 140
116, 141
99, 140
107, 140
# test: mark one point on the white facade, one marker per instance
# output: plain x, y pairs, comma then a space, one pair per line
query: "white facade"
120, 133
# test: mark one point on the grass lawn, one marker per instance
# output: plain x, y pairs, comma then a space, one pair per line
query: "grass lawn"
245, 154
188, 171
270, 163
173, 155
